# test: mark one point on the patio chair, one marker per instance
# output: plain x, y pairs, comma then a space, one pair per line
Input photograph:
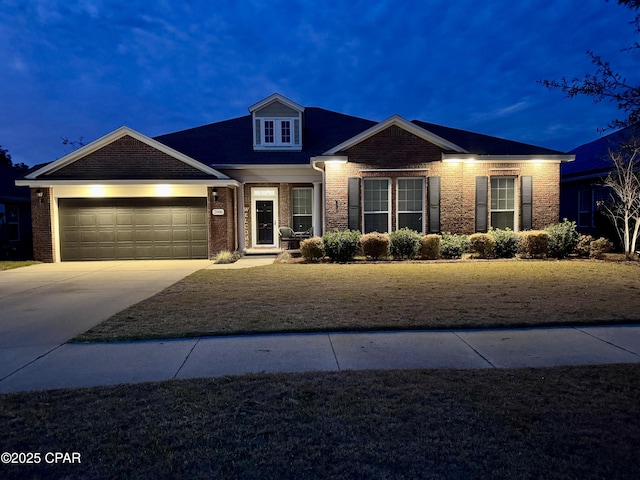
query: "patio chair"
288, 235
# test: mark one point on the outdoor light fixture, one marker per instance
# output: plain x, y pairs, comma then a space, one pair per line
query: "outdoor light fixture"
214, 194
337, 204
40, 194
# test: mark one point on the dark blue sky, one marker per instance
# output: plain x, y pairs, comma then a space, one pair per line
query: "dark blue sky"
81, 69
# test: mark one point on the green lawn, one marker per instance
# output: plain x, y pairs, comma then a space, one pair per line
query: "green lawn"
10, 264
365, 296
553, 423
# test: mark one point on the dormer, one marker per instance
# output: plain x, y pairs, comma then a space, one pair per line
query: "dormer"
277, 124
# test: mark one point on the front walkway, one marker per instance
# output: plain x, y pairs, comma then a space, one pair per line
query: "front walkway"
85, 365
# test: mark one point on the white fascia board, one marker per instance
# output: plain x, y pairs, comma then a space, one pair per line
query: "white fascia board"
273, 98
472, 157
224, 182
113, 136
398, 121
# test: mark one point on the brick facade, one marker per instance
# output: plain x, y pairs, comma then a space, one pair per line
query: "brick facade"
395, 153
42, 226
127, 158
222, 228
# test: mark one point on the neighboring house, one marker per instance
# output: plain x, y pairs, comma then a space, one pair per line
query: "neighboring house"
581, 187
15, 216
230, 185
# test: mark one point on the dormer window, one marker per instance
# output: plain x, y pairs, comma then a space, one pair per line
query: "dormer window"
277, 124
277, 131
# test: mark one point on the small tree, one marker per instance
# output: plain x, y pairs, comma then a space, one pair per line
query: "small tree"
623, 207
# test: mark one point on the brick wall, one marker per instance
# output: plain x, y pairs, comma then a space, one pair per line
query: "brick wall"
409, 155
41, 224
127, 158
222, 228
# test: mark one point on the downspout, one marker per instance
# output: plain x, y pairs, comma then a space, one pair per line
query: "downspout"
314, 165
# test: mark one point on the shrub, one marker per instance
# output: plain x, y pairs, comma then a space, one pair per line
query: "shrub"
341, 246
583, 248
481, 245
505, 242
225, 256
312, 249
533, 244
375, 245
599, 247
453, 245
563, 238
405, 243
429, 247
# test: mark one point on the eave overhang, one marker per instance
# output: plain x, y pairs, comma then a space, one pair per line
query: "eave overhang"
474, 158
223, 182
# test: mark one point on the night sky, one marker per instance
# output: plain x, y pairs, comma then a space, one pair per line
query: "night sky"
82, 69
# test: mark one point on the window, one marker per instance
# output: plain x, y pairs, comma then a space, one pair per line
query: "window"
376, 205
503, 193
410, 203
302, 209
276, 132
585, 202
269, 131
10, 222
285, 131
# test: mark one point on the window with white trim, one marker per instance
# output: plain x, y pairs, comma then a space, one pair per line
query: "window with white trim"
503, 200
376, 205
302, 209
277, 132
410, 203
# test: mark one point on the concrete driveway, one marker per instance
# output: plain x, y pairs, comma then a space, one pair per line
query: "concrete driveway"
43, 306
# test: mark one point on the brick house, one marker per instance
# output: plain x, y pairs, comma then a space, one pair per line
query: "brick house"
230, 185
581, 182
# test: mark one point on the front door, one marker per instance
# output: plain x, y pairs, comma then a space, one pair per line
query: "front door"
264, 219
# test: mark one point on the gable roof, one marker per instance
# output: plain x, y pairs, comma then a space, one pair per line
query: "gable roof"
593, 157
396, 120
49, 170
229, 143
273, 98
481, 144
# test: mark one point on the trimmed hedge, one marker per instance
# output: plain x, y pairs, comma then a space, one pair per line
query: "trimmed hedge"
505, 242
453, 245
563, 239
533, 244
429, 247
599, 247
375, 245
481, 245
312, 249
341, 246
405, 243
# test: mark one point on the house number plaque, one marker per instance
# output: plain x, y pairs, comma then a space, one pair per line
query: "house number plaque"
217, 211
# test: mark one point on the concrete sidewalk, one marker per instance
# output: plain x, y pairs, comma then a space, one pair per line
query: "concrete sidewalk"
84, 365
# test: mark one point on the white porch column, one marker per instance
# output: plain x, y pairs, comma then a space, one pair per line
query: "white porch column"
318, 209
241, 231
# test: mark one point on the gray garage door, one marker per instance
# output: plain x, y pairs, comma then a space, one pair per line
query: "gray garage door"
132, 228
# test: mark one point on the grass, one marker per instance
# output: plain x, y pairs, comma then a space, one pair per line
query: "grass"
11, 264
431, 295
552, 423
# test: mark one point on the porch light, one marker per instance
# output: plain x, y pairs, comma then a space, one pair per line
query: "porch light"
39, 194
214, 194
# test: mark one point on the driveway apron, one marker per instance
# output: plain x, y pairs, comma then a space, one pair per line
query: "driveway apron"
43, 306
